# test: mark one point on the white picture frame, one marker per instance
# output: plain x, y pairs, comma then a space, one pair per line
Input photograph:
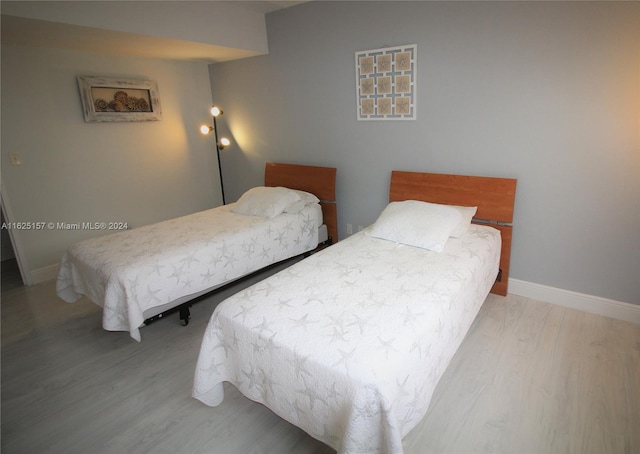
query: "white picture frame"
108, 99
386, 83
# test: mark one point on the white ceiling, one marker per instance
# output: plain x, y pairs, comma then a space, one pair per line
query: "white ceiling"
31, 32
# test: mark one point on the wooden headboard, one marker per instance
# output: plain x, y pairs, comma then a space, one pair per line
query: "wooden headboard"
320, 181
494, 197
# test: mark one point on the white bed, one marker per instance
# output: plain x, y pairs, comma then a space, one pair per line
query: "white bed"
350, 343
137, 274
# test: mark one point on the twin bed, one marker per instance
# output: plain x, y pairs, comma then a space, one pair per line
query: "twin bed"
350, 343
140, 274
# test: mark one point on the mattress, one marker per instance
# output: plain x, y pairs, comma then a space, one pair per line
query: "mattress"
350, 343
132, 272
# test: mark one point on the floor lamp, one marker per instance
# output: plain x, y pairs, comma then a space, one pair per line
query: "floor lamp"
220, 144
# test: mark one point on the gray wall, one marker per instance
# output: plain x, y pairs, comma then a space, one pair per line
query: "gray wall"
137, 173
548, 93
74, 172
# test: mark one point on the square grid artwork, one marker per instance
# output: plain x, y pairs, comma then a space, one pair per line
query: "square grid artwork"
386, 83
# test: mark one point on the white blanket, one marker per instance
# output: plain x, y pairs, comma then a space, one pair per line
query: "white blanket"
350, 343
131, 271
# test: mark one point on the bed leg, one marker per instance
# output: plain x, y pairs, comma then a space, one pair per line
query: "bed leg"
185, 314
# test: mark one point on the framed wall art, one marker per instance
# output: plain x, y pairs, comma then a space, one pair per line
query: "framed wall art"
112, 99
386, 83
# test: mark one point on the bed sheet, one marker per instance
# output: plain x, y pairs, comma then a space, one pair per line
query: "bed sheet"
131, 271
350, 343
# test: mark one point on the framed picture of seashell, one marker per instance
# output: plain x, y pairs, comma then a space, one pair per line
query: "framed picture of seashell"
112, 99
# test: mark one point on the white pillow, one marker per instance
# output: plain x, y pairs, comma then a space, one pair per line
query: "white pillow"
306, 198
466, 214
295, 207
265, 201
420, 224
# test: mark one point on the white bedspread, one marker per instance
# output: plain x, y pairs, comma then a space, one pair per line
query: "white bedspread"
350, 343
131, 271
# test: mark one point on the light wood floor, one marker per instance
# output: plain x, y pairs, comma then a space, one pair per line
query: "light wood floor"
529, 378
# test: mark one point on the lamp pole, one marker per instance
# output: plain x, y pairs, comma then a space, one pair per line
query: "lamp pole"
220, 143
215, 132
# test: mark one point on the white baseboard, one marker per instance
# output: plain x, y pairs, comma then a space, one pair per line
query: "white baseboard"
588, 303
44, 274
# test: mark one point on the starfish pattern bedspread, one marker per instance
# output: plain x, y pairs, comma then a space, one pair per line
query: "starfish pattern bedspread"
350, 343
131, 271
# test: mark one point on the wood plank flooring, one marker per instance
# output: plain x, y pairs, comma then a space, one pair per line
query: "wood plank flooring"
529, 378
